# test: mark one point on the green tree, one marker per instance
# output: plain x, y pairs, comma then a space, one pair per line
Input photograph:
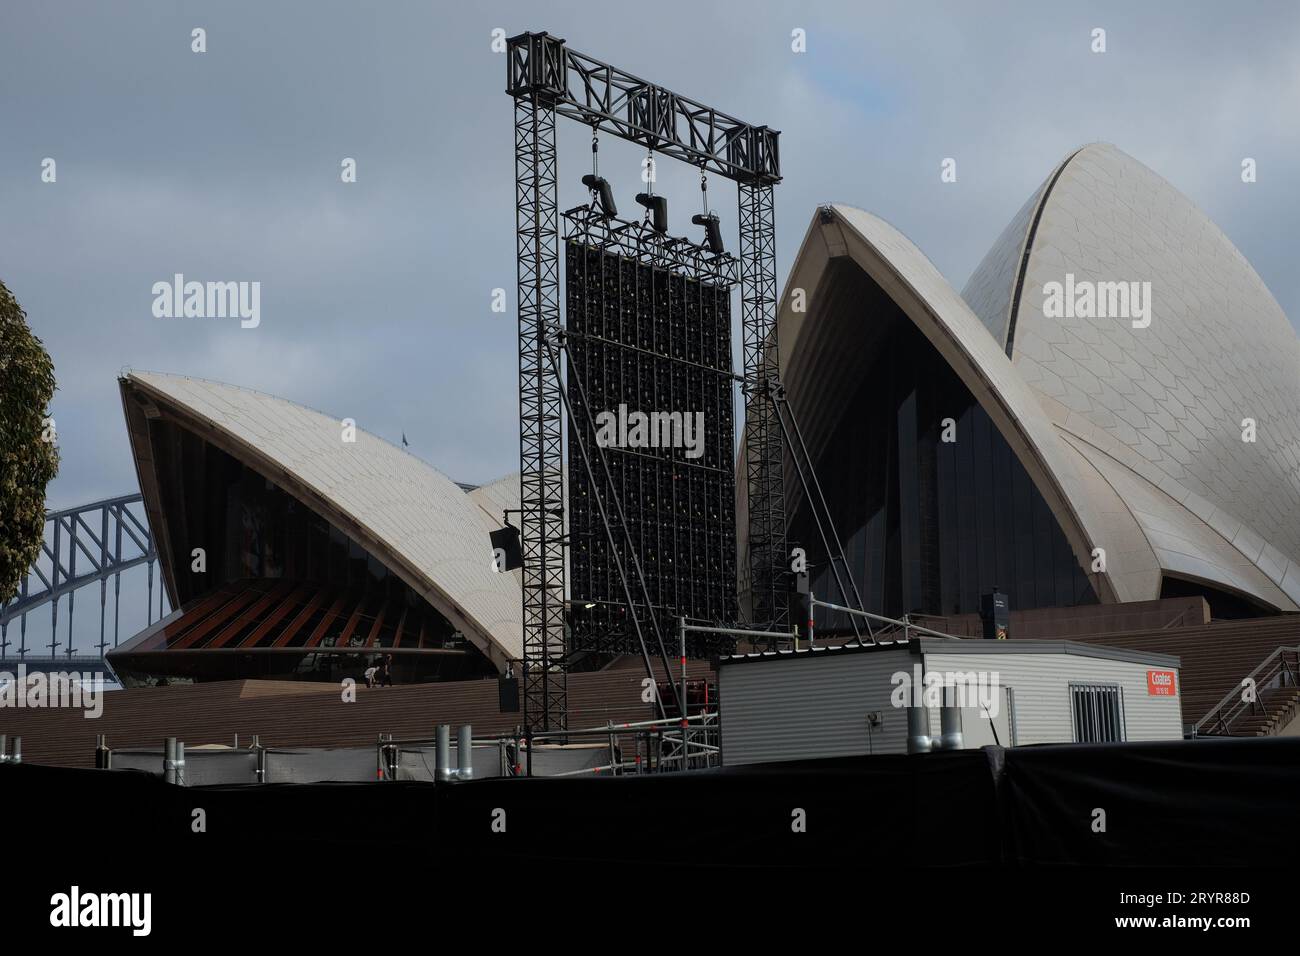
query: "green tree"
28, 456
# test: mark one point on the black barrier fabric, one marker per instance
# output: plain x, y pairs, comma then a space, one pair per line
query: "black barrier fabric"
1178, 803
893, 808
1016, 830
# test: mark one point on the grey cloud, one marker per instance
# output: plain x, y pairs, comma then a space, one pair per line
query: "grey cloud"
375, 296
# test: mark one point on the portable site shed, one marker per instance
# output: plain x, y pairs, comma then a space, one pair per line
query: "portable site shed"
853, 700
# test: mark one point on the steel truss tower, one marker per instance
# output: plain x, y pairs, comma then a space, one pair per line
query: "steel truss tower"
547, 78
541, 451
765, 483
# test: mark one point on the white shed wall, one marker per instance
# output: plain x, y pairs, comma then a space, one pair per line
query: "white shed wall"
1042, 697
789, 708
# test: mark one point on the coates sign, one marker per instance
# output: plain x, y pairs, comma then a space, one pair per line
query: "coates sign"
1161, 684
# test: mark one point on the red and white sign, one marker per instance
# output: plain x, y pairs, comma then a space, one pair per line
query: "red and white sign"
1161, 684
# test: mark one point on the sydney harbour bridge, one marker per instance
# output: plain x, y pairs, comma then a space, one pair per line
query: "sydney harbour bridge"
86, 549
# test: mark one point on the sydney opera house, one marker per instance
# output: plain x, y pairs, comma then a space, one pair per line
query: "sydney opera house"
291, 551
983, 440
1141, 443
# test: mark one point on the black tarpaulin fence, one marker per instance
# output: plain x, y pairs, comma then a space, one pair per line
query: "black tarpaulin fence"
1180, 803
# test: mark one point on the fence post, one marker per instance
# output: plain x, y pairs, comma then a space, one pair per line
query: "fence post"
918, 729
442, 756
465, 752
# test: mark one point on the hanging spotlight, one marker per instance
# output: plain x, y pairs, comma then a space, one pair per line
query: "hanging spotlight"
658, 206
602, 193
712, 232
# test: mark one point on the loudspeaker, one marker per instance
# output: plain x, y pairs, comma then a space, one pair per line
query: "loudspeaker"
995, 613
508, 694
506, 540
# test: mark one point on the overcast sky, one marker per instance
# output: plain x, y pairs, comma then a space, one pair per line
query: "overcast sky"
375, 296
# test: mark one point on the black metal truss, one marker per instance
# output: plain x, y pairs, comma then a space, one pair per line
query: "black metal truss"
649, 338
605, 97
547, 78
638, 240
541, 452
768, 560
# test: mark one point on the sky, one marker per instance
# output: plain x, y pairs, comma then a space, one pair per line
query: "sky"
376, 295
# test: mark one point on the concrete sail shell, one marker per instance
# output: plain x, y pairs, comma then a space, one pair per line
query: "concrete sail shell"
1132, 435
1161, 409
414, 519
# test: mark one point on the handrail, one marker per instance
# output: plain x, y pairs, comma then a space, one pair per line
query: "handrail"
1273, 664
682, 734
906, 625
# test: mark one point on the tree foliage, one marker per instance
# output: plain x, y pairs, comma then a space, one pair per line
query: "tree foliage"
28, 455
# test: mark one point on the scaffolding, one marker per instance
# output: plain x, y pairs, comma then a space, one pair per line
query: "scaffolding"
546, 78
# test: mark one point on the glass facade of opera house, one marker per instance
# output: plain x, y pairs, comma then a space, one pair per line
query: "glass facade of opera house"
932, 505
929, 525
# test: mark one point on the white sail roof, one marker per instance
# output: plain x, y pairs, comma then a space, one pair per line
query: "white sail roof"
413, 518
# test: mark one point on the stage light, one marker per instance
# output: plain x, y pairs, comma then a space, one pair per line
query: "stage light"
658, 206
600, 187
712, 232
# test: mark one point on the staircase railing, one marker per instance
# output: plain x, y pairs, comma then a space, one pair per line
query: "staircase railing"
1279, 669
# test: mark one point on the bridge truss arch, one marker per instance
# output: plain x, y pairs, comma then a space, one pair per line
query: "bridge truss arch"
84, 545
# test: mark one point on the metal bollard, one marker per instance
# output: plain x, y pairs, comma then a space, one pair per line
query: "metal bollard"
394, 758
918, 730
180, 763
950, 723
102, 753
169, 760
4, 748
442, 758
16, 754
465, 753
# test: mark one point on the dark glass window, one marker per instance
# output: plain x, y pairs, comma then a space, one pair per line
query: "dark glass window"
931, 504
